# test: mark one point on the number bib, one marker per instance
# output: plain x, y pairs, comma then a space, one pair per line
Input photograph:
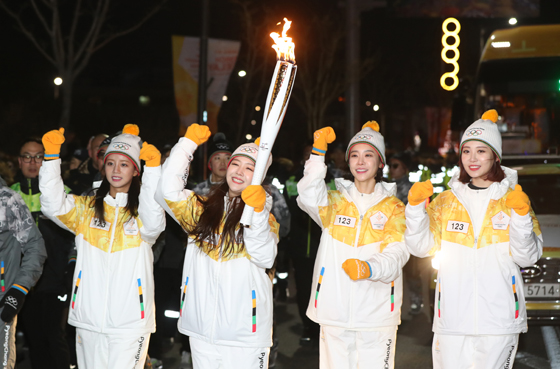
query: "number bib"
97, 224
456, 226
345, 221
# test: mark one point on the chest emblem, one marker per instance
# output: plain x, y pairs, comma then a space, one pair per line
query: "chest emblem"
378, 220
500, 221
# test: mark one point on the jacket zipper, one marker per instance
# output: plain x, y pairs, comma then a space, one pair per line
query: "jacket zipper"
217, 276
475, 257
352, 284
109, 254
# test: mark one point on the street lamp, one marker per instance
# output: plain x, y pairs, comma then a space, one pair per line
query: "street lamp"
242, 73
57, 82
513, 21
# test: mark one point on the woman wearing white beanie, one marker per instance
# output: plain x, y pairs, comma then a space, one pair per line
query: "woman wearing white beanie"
226, 297
112, 301
484, 230
357, 277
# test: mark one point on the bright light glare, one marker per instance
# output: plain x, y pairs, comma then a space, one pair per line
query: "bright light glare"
493, 37
171, 314
248, 136
257, 108
242, 73
253, 122
58, 81
513, 21
436, 261
280, 188
282, 275
500, 44
368, 103
375, 107
224, 98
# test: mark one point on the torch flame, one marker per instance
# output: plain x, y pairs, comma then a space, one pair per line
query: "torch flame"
284, 45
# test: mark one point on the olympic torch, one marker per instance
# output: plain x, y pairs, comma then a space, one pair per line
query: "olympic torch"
276, 104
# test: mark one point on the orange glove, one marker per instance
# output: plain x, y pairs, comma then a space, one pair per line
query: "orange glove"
322, 137
357, 269
419, 192
52, 141
255, 197
199, 134
150, 155
518, 201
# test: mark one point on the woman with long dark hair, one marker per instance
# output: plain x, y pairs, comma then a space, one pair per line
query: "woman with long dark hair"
483, 230
112, 299
226, 301
357, 282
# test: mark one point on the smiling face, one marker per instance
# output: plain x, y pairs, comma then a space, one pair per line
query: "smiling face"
239, 175
218, 166
119, 171
477, 159
364, 164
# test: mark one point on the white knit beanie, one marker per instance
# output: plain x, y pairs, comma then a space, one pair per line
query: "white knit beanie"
369, 135
127, 144
250, 150
485, 130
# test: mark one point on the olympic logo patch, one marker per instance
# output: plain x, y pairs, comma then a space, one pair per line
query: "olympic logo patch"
121, 146
474, 132
222, 146
364, 137
248, 149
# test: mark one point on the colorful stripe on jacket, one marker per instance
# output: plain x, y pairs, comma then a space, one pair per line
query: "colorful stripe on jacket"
2, 282
254, 295
76, 288
141, 298
319, 285
515, 297
183, 297
392, 296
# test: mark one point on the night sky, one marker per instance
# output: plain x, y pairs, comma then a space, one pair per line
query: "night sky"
407, 53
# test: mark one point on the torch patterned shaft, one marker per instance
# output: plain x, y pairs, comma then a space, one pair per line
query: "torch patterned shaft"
277, 100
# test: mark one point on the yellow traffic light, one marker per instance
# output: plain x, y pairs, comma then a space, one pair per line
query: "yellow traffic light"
450, 48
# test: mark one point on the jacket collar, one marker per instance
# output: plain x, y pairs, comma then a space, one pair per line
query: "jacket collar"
497, 189
381, 190
121, 200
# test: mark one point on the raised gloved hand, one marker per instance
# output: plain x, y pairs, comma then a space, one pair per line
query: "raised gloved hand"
255, 197
322, 137
419, 192
52, 141
150, 155
357, 269
199, 134
518, 201
12, 302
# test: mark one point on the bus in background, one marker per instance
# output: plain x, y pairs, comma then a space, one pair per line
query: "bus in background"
519, 76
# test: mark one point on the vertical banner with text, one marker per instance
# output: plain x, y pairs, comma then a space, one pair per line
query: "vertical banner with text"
222, 55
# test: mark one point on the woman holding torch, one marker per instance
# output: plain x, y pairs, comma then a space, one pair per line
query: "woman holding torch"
357, 276
226, 302
483, 230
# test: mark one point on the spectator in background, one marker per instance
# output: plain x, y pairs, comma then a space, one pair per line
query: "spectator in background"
219, 152
22, 254
78, 157
80, 179
43, 318
399, 167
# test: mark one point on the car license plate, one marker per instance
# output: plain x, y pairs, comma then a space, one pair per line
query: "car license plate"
542, 289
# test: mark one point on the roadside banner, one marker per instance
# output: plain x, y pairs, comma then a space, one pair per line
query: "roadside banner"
222, 55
